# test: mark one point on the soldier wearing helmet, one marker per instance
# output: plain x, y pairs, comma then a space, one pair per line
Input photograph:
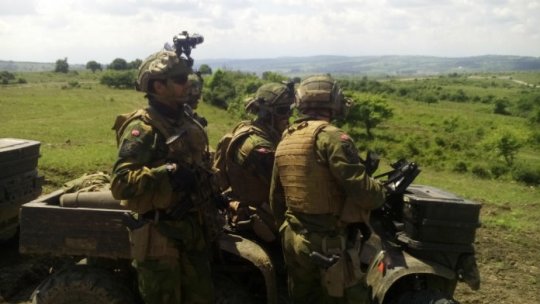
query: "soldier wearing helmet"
161, 151
319, 189
246, 156
195, 93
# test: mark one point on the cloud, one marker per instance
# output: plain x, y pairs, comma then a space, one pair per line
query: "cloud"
106, 29
17, 8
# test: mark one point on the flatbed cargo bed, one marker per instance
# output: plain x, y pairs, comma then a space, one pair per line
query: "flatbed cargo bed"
48, 228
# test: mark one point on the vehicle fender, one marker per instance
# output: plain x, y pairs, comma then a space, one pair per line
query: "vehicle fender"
254, 253
381, 276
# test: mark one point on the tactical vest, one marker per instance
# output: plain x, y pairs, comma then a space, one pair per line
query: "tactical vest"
189, 141
188, 145
189, 150
246, 186
308, 185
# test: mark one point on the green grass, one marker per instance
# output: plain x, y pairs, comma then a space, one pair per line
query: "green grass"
74, 127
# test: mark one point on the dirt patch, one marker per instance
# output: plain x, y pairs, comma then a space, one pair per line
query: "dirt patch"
509, 264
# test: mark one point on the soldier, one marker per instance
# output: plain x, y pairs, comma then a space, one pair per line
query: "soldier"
196, 86
319, 188
247, 156
160, 176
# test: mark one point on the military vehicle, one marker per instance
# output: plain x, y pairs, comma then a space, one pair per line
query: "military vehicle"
89, 230
416, 248
421, 242
19, 181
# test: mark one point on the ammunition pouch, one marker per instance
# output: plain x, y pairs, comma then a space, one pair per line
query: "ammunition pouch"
148, 243
345, 271
159, 198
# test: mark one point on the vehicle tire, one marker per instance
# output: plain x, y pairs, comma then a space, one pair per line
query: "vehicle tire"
84, 285
424, 297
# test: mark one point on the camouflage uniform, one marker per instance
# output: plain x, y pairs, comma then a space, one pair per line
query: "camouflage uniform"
172, 256
253, 155
319, 187
249, 158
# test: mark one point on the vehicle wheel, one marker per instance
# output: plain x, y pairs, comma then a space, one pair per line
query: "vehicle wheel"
424, 297
83, 284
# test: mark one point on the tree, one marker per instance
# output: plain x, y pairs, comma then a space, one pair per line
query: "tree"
205, 69
272, 76
61, 66
6, 76
94, 66
369, 110
222, 89
135, 64
118, 64
508, 146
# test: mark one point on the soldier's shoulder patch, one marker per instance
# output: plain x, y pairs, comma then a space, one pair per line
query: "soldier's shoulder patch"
137, 129
135, 132
345, 137
263, 150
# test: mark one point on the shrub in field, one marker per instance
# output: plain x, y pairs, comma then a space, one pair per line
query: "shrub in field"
501, 106
498, 169
119, 80
504, 143
535, 137
481, 171
460, 167
527, 174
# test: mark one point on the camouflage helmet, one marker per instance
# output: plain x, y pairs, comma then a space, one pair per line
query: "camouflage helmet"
161, 65
320, 92
275, 98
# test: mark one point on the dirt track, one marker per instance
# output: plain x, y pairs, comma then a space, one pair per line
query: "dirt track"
509, 266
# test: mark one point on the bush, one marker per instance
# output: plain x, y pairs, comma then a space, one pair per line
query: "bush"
22, 80
460, 167
527, 174
481, 171
498, 170
119, 80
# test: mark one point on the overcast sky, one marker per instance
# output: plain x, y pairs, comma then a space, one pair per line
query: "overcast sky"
101, 30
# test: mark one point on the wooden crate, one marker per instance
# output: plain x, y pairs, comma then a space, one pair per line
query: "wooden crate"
48, 228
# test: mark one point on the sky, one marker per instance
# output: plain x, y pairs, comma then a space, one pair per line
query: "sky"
102, 30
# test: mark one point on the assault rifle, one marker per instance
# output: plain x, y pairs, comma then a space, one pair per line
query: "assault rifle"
401, 177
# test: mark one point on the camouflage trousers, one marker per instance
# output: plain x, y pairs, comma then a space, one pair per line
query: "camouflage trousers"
186, 279
304, 277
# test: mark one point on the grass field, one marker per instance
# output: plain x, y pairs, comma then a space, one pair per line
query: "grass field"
74, 127
72, 115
